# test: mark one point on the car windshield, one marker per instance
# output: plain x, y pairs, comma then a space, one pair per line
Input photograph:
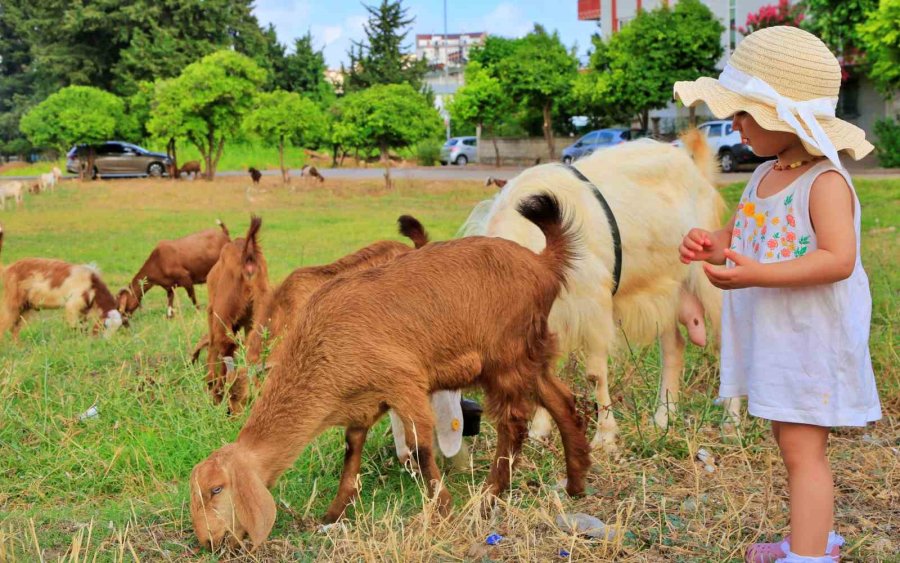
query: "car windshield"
451, 142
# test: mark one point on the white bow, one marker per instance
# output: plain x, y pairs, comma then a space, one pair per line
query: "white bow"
744, 84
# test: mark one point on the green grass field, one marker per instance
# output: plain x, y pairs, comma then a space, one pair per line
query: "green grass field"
114, 487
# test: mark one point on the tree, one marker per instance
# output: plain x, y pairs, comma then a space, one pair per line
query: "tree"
286, 119
539, 71
494, 50
304, 71
836, 23
656, 49
380, 58
390, 116
880, 38
74, 115
783, 13
481, 101
207, 103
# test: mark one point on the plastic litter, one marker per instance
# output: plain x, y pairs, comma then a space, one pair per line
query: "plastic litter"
90, 413
707, 459
585, 525
493, 539
564, 554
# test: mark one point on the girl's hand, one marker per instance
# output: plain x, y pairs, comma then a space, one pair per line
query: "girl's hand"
696, 245
746, 272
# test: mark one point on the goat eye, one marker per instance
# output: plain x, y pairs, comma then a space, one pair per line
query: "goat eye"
216, 490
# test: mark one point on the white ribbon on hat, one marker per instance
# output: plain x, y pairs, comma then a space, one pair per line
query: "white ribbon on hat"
755, 88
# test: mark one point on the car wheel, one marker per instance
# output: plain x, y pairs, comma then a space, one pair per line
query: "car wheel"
155, 170
462, 160
567, 159
727, 161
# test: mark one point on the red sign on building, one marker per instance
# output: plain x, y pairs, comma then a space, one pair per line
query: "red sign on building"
589, 9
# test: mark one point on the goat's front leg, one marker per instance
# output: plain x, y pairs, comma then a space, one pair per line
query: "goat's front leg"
418, 422
347, 490
670, 376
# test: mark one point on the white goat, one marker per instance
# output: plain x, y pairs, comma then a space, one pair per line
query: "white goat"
49, 180
12, 190
656, 194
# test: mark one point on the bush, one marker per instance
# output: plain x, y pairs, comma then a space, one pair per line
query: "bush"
428, 152
888, 144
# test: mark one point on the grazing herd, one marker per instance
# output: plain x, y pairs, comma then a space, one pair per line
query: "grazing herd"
563, 259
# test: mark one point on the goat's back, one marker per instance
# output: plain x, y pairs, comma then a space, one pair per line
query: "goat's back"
656, 193
426, 311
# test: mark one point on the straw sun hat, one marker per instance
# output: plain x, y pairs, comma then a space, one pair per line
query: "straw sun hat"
788, 80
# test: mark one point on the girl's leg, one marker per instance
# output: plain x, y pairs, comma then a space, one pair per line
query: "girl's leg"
803, 449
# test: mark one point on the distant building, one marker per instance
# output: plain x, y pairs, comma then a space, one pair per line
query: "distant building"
336, 78
447, 56
860, 103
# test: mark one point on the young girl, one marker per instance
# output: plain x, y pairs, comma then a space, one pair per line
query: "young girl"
795, 323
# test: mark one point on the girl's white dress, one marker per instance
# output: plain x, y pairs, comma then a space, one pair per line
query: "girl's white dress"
798, 354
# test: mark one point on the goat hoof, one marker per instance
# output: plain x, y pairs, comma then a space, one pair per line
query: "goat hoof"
663, 412
605, 442
170, 312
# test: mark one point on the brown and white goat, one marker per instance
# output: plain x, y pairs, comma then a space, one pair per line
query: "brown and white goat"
183, 262
14, 190
309, 171
499, 182
32, 284
656, 194
454, 314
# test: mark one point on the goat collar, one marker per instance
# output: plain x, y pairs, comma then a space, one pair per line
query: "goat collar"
613, 225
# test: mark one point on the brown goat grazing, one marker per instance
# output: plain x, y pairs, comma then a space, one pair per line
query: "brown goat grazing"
190, 167
255, 174
237, 282
183, 262
491, 181
466, 312
32, 284
233, 302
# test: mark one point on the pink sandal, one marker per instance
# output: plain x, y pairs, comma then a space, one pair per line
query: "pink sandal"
771, 552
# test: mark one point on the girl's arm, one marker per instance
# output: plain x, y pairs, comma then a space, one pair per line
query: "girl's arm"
703, 245
831, 213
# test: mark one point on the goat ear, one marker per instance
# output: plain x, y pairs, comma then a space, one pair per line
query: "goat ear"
254, 505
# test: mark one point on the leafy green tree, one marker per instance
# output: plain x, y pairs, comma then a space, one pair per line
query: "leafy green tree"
481, 101
303, 71
207, 103
539, 72
380, 58
653, 51
17, 85
389, 116
836, 23
74, 115
880, 38
286, 119
494, 50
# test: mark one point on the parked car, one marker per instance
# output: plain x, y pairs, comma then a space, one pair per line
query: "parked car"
726, 144
599, 139
117, 158
460, 150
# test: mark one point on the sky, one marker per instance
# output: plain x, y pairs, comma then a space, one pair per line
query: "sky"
335, 23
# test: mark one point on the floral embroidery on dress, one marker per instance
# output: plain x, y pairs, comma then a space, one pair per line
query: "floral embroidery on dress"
774, 232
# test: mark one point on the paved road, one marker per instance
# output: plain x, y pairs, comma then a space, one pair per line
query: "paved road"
467, 173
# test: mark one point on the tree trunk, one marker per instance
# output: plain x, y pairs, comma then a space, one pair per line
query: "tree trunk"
334, 156
174, 174
343, 156
548, 129
645, 120
90, 163
496, 148
386, 159
214, 161
478, 129
284, 175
